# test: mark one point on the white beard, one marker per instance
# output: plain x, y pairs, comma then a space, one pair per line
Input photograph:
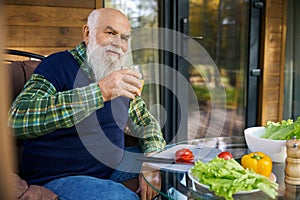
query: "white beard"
101, 63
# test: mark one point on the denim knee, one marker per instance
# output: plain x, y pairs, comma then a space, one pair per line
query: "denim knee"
89, 188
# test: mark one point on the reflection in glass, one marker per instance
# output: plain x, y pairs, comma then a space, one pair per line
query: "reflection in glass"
221, 27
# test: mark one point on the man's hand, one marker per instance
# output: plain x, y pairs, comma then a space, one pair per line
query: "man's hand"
124, 82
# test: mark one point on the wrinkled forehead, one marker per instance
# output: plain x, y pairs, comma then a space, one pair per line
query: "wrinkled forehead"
115, 20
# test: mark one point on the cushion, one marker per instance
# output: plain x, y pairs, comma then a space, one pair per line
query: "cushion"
34, 192
20, 72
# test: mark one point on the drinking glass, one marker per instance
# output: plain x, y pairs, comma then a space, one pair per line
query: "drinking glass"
138, 68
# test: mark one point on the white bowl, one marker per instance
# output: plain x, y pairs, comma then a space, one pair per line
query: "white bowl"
276, 149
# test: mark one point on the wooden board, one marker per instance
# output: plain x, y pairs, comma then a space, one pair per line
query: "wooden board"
38, 50
54, 3
271, 88
42, 36
45, 16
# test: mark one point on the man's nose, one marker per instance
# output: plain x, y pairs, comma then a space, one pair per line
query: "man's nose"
116, 41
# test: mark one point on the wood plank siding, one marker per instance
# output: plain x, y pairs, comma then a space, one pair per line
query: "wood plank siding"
45, 26
272, 64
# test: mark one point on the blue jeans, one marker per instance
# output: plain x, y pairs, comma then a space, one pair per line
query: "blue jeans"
90, 188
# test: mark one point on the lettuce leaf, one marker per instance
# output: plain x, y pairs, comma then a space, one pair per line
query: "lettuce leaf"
284, 130
226, 177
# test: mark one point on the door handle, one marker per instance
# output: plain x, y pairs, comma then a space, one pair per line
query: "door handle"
258, 4
255, 72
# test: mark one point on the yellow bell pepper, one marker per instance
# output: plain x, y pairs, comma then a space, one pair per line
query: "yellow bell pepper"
259, 162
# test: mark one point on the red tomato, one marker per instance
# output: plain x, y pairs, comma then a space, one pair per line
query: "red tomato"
184, 155
225, 155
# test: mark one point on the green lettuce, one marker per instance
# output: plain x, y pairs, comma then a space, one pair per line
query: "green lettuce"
226, 177
284, 130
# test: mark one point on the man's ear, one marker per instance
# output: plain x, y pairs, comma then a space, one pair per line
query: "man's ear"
85, 32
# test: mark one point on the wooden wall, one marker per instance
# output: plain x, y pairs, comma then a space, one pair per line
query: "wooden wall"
272, 65
45, 26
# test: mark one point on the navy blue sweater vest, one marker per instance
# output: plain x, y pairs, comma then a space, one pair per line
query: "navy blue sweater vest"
93, 147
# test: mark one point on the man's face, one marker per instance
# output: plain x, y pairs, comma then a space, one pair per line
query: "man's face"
113, 30
110, 35
107, 46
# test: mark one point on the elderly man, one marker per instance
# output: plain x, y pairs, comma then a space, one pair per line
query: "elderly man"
73, 111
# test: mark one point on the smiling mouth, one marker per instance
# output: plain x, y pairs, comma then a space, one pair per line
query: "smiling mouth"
114, 53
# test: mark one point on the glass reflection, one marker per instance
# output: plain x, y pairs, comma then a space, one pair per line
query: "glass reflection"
221, 27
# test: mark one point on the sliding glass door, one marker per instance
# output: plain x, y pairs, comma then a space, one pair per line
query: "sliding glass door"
199, 76
222, 28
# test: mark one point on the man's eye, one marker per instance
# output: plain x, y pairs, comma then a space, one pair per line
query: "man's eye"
110, 33
125, 38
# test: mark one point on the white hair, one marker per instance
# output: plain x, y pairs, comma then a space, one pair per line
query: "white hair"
93, 20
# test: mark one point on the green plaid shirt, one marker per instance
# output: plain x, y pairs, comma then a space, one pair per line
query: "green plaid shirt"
39, 109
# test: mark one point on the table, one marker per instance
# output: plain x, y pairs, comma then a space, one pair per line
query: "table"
177, 185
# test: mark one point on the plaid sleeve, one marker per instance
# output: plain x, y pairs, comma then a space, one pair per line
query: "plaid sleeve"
39, 109
145, 127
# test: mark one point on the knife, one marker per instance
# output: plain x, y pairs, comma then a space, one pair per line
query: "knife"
156, 160
161, 160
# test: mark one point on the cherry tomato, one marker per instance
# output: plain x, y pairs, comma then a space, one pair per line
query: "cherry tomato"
225, 155
184, 155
